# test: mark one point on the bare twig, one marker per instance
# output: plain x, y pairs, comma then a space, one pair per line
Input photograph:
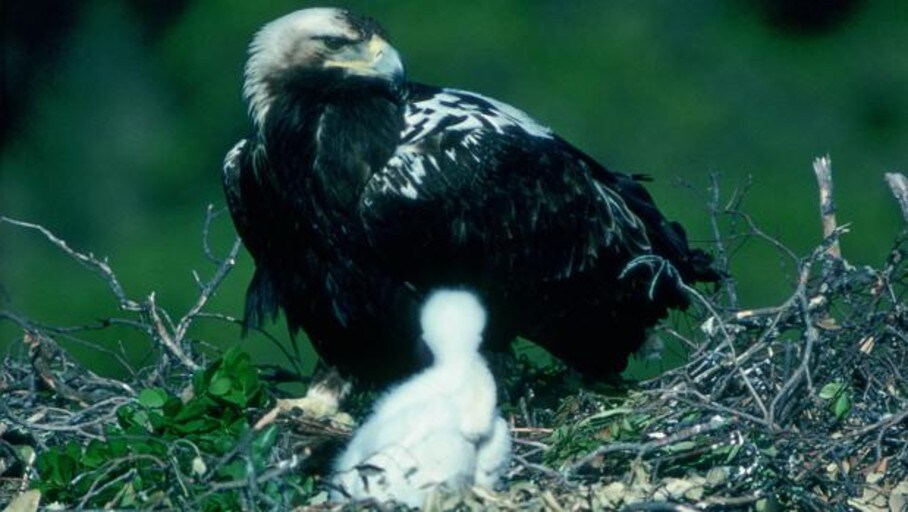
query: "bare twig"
728, 342
711, 404
293, 358
538, 468
649, 446
70, 425
731, 502
721, 254
659, 506
207, 291
899, 186
224, 266
165, 332
756, 231
165, 338
89, 261
883, 424
274, 473
101, 482
822, 167
811, 335
210, 215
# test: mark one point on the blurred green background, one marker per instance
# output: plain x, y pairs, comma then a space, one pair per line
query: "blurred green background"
116, 115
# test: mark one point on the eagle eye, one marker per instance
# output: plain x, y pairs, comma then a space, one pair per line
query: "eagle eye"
334, 42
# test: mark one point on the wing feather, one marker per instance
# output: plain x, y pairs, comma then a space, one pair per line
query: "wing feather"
251, 216
473, 174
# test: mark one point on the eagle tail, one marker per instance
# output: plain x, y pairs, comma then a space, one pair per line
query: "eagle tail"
262, 301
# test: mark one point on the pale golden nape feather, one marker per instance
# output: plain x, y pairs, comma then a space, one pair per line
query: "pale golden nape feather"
285, 42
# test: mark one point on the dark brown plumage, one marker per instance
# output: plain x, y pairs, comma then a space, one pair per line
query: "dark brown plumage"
358, 192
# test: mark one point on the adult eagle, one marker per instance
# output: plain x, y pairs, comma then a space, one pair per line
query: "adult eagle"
359, 192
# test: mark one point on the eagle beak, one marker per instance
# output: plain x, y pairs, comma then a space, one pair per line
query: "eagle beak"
375, 58
385, 59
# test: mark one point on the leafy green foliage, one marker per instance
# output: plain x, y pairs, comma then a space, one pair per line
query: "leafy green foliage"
574, 439
164, 451
838, 394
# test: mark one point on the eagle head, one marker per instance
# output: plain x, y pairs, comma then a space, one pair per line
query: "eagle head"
332, 42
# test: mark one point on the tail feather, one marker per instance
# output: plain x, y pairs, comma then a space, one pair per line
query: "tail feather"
262, 301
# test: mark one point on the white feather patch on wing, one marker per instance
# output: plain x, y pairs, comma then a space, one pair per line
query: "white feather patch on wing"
230, 160
458, 110
405, 171
451, 110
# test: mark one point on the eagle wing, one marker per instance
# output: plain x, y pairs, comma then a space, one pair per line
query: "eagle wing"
478, 188
254, 217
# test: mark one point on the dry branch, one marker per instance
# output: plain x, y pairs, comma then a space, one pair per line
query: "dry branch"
152, 318
899, 186
822, 167
89, 261
51, 399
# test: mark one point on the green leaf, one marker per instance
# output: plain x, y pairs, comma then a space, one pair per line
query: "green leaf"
56, 468
770, 451
220, 386
196, 426
735, 448
153, 398
263, 443
24, 452
149, 446
831, 390
683, 446
134, 419
74, 450
842, 406
221, 501
235, 470
236, 397
201, 379
840, 394
195, 408
118, 447
158, 421
128, 497
96, 454
626, 425
233, 356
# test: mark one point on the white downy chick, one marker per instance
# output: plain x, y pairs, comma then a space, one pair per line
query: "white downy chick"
426, 432
493, 455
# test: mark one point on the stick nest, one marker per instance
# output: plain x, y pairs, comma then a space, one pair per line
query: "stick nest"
800, 406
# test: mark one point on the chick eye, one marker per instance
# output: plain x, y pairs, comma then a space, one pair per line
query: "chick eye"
334, 43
